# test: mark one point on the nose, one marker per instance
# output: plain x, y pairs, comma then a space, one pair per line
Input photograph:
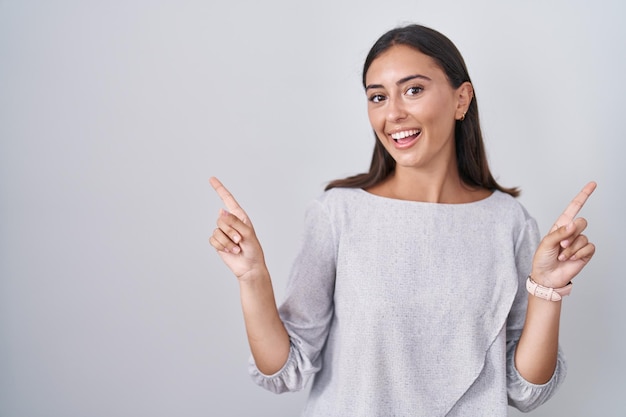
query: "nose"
395, 109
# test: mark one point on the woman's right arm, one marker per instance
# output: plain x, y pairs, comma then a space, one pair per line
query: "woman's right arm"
237, 245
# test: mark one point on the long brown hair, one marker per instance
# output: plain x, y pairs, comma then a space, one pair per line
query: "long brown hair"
470, 149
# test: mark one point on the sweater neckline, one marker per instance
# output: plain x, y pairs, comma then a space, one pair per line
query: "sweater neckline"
426, 203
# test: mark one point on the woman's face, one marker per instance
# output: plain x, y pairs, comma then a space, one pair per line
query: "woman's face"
412, 108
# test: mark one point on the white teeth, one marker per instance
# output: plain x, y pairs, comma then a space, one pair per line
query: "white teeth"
404, 134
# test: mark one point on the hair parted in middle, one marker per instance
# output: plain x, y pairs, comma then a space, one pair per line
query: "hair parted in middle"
471, 157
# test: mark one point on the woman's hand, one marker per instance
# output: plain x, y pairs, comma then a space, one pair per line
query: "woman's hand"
234, 238
237, 244
564, 251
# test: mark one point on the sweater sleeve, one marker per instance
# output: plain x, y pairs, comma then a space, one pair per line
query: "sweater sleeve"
524, 395
307, 310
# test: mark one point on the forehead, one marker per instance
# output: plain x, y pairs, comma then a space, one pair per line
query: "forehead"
399, 61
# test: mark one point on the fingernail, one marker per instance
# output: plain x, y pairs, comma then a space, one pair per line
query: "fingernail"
569, 227
223, 212
236, 238
561, 257
236, 249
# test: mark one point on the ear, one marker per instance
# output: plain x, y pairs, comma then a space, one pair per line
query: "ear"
465, 94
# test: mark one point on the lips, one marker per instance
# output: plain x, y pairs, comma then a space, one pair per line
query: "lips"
405, 133
405, 138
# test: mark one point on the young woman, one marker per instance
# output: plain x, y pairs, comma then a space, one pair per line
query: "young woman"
410, 294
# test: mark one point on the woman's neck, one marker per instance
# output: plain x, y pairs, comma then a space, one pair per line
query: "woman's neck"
429, 187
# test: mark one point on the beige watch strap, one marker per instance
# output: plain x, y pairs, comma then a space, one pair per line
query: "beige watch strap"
550, 294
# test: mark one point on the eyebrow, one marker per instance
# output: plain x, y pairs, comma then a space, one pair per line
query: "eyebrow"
400, 81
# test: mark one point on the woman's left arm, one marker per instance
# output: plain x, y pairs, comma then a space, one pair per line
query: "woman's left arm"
561, 255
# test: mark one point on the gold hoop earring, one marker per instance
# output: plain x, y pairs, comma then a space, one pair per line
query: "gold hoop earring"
462, 117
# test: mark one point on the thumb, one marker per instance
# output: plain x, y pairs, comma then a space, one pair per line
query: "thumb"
239, 214
561, 236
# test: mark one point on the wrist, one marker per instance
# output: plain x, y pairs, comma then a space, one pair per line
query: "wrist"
547, 293
254, 278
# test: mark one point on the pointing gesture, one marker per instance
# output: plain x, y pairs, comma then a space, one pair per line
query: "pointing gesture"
234, 238
564, 251
574, 206
229, 201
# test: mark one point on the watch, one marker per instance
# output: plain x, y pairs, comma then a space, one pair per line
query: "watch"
550, 294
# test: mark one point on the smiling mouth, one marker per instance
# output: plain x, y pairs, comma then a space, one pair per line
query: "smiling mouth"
406, 135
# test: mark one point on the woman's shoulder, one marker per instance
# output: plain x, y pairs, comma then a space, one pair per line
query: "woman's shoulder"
340, 196
506, 206
338, 202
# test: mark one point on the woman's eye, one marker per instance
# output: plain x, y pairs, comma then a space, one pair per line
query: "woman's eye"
376, 98
412, 91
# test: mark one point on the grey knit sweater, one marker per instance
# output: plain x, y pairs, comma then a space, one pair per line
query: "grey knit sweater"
403, 308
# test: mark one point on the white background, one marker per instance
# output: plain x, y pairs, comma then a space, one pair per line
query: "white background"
113, 114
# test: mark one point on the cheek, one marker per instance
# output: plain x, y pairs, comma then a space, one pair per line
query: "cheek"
378, 125
375, 120
371, 114
435, 114
445, 107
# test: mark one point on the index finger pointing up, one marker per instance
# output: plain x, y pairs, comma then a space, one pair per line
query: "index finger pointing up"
574, 206
229, 201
